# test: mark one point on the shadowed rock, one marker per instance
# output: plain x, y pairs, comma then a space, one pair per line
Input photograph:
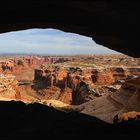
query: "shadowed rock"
39, 121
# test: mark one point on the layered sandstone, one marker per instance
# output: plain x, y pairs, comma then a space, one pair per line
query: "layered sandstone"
102, 77
9, 88
77, 82
16, 64
126, 99
120, 106
128, 94
102, 91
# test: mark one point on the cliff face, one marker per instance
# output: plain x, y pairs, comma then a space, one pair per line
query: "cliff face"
81, 84
9, 88
102, 77
119, 106
119, 73
63, 84
77, 83
74, 84
128, 94
17, 64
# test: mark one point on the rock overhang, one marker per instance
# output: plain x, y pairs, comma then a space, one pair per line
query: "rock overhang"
113, 24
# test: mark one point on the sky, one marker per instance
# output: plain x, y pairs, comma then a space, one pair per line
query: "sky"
49, 41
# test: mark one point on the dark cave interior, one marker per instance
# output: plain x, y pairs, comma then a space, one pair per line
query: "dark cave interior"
113, 24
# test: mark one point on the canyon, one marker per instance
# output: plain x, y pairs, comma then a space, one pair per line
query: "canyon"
105, 86
113, 24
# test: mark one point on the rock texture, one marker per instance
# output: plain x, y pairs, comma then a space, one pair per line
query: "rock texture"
83, 78
120, 106
102, 77
128, 116
16, 64
126, 99
128, 94
9, 88
76, 85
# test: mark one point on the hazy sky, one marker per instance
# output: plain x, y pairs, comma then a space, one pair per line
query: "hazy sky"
49, 41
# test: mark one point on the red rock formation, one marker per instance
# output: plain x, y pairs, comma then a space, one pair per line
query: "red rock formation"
126, 100
66, 96
19, 65
127, 116
7, 66
9, 88
73, 87
50, 77
134, 71
102, 77
50, 93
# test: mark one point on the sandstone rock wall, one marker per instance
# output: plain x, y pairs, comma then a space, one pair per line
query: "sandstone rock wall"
74, 81
20, 63
81, 83
9, 88
102, 77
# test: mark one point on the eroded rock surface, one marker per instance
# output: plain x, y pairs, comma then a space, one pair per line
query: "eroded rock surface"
128, 116
101, 86
78, 82
9, 88
126, 99
102, 75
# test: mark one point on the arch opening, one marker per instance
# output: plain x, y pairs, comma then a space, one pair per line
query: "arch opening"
69, 72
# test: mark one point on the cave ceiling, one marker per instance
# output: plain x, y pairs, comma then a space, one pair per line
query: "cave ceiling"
114, 24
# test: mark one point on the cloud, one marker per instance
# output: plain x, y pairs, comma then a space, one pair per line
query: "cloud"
49, 41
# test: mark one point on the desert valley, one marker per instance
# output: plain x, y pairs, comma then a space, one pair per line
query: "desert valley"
105, 86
